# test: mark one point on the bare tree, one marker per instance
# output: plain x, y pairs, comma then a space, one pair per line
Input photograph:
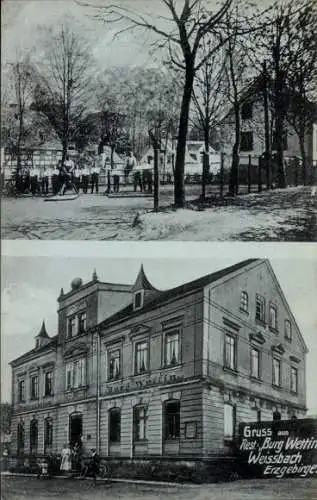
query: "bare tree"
208, 100
23, 86
64, 84
188, 27
301, 79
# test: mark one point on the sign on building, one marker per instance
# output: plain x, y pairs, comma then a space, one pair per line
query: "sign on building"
277, 449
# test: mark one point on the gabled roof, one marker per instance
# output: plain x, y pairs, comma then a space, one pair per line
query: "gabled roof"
176, 292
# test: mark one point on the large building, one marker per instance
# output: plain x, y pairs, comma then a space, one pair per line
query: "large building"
138, 372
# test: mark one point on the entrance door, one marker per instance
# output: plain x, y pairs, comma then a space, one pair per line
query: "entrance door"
75, 428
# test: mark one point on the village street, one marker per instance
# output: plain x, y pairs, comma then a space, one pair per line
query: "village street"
280, 215
15, 488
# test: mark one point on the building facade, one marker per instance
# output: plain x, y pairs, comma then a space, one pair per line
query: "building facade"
138, 372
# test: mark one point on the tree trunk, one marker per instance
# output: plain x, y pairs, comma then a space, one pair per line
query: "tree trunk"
279, 131
268, 150
179, 185
205, 164
304, 159
233, 178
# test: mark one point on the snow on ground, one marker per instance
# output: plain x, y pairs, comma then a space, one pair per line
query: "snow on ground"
283, 215
265, 216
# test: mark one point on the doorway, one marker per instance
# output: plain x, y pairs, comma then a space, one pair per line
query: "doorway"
75, 428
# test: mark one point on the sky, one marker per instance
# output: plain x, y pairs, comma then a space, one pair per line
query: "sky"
34, 272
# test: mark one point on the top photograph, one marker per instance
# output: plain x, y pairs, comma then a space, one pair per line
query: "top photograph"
165, 120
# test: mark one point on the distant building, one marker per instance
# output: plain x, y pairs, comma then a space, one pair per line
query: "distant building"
253, 129
138, 372
193, 159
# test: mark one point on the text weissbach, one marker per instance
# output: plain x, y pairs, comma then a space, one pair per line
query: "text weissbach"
279, 449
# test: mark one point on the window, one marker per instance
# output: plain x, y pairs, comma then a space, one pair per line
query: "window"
138, 300
76, 374
276, 371
246, 110
21, 437
34, 387
48, 432
244, 302
255, 363
33, 435
48, 383
141, 357
273, 317
294, 379
114, 365
246, 143
115, 425
140, 421
172, 348
21, 391
260, 308
37, 343
288, 329
82, 322
172, 420
230, 352
229, 416
72, 327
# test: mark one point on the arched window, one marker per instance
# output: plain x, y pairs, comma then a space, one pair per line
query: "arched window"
244, 301
33, 435
20, 437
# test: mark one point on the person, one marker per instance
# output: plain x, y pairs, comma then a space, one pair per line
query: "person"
66, 462
76, 177
85, 179
68, 168
116, 182
34, 178
95, 171
45, 180
92, 466
137, 180
130, 165
55, 172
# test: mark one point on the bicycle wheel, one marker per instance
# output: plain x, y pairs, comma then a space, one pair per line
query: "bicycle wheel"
103, 471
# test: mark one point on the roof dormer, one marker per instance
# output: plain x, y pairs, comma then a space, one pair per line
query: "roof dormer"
142, 290
42, 337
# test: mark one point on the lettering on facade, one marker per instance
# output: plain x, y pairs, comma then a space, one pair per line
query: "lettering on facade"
150, 381
286, 448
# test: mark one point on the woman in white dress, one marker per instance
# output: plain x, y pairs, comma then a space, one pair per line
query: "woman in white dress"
66, 463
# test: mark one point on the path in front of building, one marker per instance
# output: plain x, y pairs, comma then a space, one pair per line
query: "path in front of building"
280, 215
15, 488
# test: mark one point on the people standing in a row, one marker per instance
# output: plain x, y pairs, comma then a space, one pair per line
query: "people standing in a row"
85, 179
45, 180
34, 180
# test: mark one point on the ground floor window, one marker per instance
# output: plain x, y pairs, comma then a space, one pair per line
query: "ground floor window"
172, 419
229, 421
48, 432
21, 437
115, 425
33, 436
140, 423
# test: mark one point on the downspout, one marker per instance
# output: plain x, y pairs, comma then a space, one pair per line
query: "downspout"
98, 395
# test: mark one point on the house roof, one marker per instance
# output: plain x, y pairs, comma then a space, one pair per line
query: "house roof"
173, 293
36, 350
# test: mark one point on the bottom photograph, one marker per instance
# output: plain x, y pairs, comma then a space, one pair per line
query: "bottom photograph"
171, 369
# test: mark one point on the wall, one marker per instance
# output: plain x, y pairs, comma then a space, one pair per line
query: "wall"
225, 305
